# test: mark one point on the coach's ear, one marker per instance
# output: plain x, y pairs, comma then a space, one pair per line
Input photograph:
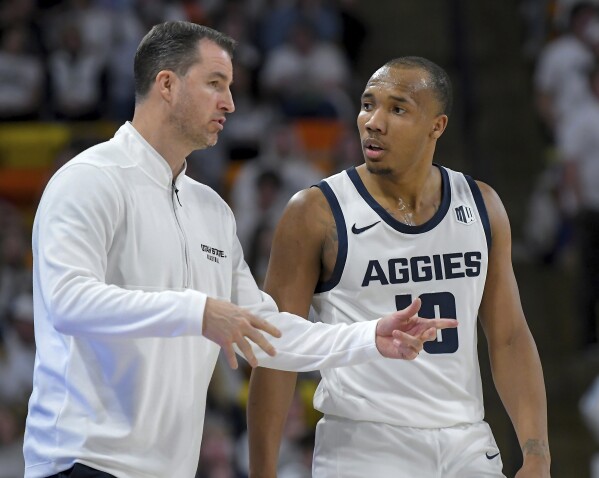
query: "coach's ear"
165, 82
439, 125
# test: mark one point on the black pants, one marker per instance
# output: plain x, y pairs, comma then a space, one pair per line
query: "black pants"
81, 471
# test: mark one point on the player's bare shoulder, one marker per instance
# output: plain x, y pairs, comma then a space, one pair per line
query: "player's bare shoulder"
308, 217
498, 218
309, 209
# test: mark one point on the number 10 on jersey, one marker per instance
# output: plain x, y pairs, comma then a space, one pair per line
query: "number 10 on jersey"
435, 306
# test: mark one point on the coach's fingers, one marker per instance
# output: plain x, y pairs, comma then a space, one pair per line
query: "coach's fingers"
230, 354
248, 353
264, 325
259, 339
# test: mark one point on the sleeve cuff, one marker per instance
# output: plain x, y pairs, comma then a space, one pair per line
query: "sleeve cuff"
196, 304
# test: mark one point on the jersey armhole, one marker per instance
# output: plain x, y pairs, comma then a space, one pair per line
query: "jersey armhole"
482, 209
342, 236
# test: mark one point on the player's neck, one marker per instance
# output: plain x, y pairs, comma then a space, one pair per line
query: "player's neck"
411, 196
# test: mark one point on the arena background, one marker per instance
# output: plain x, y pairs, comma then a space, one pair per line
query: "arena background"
490, 48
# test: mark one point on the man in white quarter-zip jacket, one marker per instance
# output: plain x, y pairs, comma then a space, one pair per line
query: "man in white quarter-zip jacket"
139, 280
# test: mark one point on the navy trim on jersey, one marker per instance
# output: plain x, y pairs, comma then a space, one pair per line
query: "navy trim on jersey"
394, 223
342, 236
482, 209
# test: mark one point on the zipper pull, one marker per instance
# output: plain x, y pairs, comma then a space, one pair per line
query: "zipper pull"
177, 194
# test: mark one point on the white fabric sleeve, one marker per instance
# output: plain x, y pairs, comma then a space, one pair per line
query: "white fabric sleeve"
75, 225
304, 345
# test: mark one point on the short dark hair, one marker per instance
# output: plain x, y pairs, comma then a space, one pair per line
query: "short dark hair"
172, 46
440, 82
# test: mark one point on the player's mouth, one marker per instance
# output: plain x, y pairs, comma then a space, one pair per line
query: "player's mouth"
373, 149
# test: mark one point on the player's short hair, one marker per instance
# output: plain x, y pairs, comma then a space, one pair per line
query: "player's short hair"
172, 46
439, 79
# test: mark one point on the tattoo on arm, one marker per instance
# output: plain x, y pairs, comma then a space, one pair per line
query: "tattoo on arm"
535, 447
330, 243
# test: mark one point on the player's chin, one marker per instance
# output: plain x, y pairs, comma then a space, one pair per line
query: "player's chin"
378, 168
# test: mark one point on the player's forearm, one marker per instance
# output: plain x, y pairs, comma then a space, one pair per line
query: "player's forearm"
270, 396
519, 380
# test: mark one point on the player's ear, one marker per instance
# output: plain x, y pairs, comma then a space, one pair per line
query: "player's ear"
439, 125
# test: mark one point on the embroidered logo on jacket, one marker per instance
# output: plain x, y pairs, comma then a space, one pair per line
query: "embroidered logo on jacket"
213, 254
464, 214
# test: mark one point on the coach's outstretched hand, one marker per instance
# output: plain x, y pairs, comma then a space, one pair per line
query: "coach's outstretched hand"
226, 324
402, 334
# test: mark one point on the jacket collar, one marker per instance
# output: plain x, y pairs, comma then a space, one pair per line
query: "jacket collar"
146, 157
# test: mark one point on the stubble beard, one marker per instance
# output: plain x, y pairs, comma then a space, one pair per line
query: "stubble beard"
184, 126
382, 171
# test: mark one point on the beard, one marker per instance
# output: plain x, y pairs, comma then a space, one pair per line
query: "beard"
189, 132
379, 171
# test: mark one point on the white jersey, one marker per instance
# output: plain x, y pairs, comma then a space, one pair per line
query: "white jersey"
382, 264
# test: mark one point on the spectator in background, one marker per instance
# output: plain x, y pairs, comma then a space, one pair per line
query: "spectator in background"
76, 75
561, 87
281, 15
217, 450
15, 275
282, 152
17, 356
244, 134
579, 147
347, 151
353, 31
95, 24
21, 76
235, 20
126, 35
152, 12
307, 76
268, 191
560, 79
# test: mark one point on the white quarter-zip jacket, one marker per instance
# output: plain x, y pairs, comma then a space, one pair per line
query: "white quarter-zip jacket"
124, 259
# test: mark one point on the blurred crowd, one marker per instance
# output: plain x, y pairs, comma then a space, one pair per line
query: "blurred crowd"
296, 89
564, 207
563, 218
70, 62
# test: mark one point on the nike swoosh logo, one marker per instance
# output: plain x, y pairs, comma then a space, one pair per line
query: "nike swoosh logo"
490, 457
360, 230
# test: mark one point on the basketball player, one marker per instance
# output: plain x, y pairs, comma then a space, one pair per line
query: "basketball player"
377, 236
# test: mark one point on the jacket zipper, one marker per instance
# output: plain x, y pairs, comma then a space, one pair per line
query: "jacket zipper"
175, 193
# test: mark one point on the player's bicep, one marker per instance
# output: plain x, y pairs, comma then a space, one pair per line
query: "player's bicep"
500, 312
295, 258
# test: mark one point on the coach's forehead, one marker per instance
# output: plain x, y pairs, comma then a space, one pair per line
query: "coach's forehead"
402, 78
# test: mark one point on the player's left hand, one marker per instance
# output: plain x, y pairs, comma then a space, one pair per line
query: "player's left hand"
402, 334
